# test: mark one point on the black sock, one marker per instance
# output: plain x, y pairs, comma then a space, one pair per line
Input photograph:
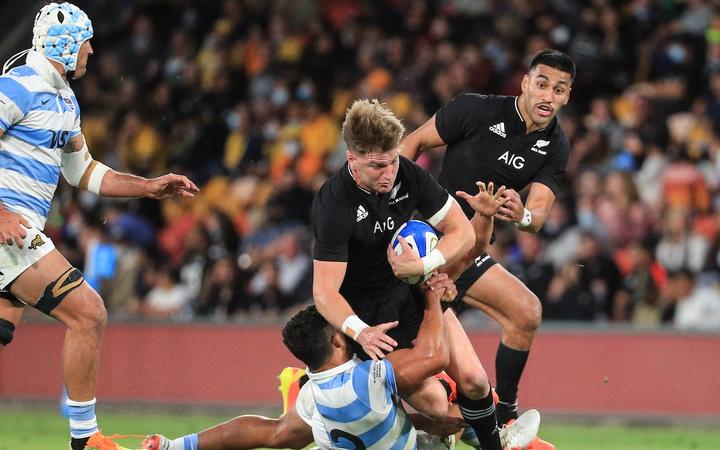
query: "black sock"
480, 415
78, 443
509, 366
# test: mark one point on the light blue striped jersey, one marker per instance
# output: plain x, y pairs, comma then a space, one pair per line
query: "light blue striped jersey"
38, 114
356, 405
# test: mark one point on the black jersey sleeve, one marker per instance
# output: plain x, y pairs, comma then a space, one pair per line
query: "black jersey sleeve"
458, 119
331, 229
431, 196
552, 173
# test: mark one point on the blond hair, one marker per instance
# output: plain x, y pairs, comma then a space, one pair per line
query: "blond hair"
370, 126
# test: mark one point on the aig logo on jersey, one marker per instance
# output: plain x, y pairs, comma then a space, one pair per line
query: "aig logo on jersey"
512, 160
383, 226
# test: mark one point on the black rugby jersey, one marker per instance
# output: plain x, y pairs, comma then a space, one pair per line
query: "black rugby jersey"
487, 141
355, 226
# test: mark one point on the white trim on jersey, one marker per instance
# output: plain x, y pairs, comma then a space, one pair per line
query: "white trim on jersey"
517, 99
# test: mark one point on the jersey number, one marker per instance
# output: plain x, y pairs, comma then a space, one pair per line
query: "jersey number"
336, 435
59, 139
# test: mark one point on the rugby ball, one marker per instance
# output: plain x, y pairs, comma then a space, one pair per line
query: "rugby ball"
420, 237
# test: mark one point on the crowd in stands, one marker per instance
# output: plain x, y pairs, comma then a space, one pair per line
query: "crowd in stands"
247, 98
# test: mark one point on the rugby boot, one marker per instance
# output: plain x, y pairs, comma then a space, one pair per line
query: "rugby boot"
290, 386
99, 441
518, 434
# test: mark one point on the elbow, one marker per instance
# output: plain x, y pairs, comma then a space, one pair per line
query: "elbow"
438, 357
319, 299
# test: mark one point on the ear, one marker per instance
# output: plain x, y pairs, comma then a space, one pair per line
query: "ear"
338, 340
525, 83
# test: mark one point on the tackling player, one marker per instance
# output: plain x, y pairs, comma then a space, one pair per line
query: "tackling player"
40, 138
513, 142
347, 403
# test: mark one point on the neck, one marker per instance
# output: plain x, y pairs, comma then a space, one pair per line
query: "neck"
59, 68
355, 179
339, 356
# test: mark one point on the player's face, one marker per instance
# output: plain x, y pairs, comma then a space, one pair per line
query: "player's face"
81, 68
375, 171
545, 91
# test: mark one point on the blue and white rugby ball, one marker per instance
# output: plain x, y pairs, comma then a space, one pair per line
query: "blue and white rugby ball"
420, 237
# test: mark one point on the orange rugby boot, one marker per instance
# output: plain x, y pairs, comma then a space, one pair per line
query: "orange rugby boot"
290, 386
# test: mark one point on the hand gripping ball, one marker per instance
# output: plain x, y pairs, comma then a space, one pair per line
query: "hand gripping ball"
420, 237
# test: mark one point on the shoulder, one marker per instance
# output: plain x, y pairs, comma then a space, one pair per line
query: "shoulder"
332, 202
16, 90
559, 140
305, 404
375, 372
332, 194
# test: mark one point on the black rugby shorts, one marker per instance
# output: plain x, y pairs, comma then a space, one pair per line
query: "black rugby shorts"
481, 265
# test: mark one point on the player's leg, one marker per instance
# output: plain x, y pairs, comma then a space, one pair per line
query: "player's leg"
54, 287
474, 393
10, 313
507, 300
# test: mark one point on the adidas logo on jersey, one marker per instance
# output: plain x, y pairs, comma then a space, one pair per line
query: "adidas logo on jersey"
361, 213
538, 145
499, 129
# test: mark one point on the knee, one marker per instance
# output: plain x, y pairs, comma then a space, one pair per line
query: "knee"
92, 315
530, 316
474, 385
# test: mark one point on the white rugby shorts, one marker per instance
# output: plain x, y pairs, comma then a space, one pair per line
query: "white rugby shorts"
15, 260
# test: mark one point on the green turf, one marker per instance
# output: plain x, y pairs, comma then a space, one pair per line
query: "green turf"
46, 430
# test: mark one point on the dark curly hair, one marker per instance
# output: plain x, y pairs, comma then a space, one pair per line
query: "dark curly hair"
308, 336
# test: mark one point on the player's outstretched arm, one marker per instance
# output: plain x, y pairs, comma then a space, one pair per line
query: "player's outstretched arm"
531, 216
431, 353
80, 170
426, 136
327, 278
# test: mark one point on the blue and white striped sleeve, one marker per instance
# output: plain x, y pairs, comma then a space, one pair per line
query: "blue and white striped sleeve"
15, 101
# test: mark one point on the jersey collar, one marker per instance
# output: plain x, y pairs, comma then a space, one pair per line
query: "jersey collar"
352, 180
522, 119
335, 370
46, 70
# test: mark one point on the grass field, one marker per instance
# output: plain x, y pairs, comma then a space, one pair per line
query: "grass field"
46, 430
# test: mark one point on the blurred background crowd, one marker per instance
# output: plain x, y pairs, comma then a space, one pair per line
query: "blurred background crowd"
247, 98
